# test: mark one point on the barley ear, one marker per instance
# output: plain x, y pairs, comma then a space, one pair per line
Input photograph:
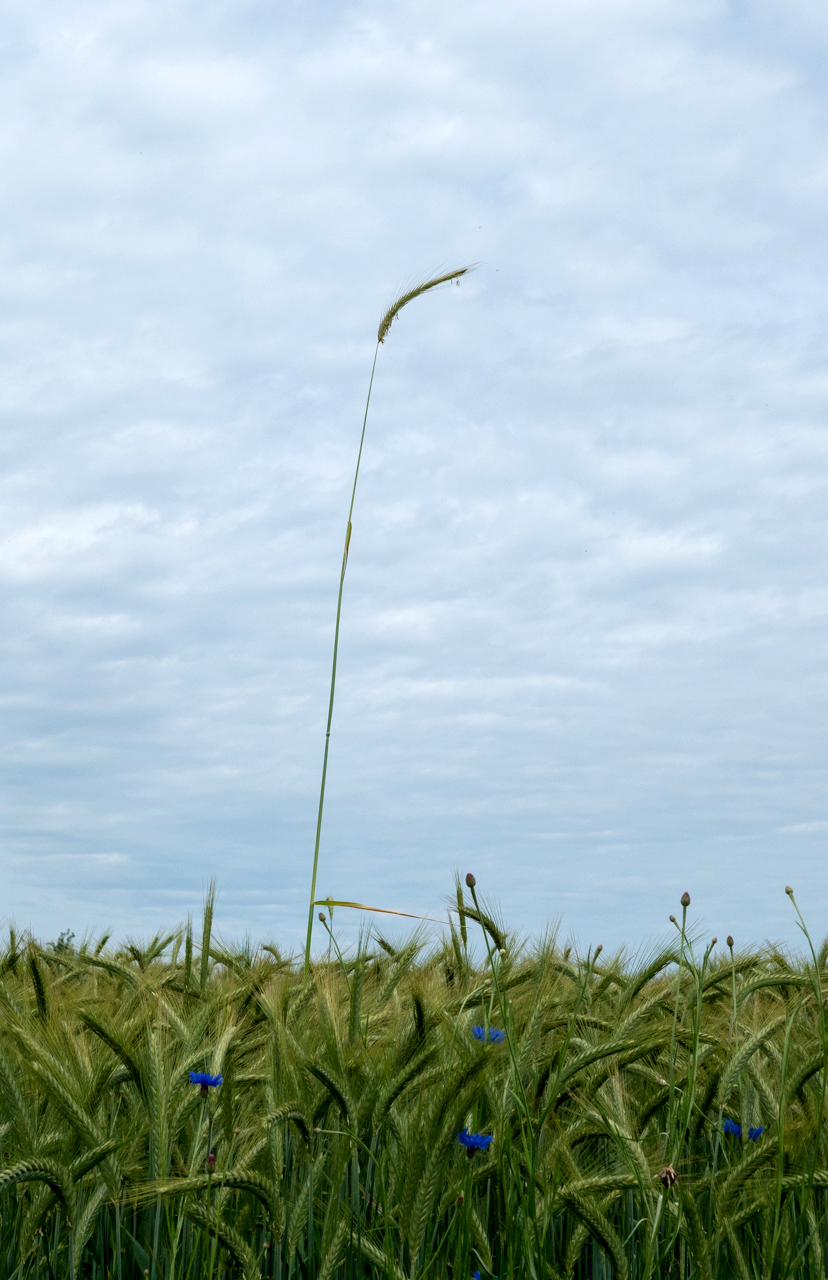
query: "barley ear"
404, 298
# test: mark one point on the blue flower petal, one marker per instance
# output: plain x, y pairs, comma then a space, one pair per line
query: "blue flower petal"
495, 1036
755, 1134
731, 1128
205, 1079
474, 1141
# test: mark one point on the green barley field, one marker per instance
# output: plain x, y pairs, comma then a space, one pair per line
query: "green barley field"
468, 1105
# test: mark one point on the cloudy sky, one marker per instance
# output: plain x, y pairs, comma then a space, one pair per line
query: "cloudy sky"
584, 633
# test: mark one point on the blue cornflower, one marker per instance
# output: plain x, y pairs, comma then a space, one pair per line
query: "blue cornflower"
474, 1141
731, 1128
755, 1134
206, 1081
475, 1275
495, 1036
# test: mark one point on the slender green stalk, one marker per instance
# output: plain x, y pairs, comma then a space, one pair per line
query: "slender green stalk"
668, 1137
333, 668
733, 986
382, 333
332, 941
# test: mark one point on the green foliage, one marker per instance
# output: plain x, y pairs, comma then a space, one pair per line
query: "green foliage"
335, 1130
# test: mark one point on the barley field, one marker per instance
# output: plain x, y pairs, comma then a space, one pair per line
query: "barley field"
467, 1107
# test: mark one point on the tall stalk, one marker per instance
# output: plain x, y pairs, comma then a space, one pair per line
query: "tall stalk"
382, 333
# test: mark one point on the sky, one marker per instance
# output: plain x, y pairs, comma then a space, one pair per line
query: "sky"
583, 647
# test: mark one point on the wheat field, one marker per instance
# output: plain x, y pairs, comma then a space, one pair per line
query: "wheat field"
471, 1107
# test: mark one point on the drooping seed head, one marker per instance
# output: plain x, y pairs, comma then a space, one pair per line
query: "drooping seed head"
404, 298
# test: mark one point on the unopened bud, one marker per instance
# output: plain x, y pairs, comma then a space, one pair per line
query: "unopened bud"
470, 880
730, 941
460, 1198
322, 916
673, 920
789, 890
685, 899
599, 948
713, 943
211, 1161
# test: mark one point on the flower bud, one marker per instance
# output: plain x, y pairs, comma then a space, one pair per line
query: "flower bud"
713, 943
470, 880
211, 1161
599, 948
673, 920
730, 941
789, 890
322, 916
685, 899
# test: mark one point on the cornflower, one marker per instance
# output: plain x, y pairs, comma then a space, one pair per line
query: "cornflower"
474, 1141
205, 1080
495, 1036
734, 1130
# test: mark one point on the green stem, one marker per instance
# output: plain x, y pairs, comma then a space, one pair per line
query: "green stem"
519, 1091
342, 965
209, 1172
672, 1071
333, 675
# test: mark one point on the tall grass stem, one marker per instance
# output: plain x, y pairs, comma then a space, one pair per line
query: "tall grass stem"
333, 668
382, 333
